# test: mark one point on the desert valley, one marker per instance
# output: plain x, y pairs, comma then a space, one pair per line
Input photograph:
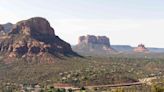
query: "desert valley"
33, 58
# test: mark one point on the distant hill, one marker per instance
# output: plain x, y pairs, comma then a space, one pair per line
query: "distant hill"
116, 48
122, 48
100, 45
128, 48
156, 50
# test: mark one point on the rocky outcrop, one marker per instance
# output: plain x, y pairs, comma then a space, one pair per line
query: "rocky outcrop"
91, 39
1, 27
93, 44
31, 37
5, 28
2, 30
35, 27
141, 48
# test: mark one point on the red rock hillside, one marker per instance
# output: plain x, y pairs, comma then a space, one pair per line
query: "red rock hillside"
31, 37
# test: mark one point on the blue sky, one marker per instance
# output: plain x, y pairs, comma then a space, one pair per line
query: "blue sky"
123, 21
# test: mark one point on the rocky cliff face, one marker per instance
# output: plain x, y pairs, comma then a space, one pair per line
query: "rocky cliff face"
1, 28
93, 44
141, 48
32, 37
91, 39
35, 27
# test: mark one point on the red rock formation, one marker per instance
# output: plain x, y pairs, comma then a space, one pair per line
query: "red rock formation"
141, 48
94, 44
35, 27
91, 39
31, 37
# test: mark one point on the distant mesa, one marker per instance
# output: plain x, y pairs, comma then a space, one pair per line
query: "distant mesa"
95, 44
91, 39
32, 37
141, 48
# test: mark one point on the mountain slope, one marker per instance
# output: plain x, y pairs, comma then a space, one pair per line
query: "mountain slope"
33, 38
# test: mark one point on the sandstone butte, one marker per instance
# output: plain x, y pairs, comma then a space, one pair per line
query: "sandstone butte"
141, 48
91, 41
33, 37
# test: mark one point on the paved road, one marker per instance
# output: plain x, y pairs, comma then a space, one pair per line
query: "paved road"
141, 81
115, 85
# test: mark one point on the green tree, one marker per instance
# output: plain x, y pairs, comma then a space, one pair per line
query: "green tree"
82, 89
156, 88
70, 90
119, 90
